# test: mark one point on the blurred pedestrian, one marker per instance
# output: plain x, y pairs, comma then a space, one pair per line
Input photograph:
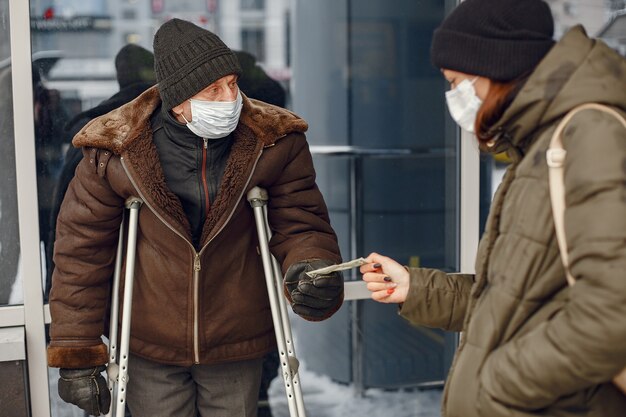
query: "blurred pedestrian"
134, 71
49, 117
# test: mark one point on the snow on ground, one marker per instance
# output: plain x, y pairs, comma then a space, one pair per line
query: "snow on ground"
326, 398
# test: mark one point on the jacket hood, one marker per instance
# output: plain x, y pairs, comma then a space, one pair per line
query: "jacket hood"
118, 129
577, 70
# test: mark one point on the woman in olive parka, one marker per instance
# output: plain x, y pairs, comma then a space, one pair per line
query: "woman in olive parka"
531, 345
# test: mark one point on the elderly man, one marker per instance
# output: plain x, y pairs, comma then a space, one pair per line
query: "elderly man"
190, 148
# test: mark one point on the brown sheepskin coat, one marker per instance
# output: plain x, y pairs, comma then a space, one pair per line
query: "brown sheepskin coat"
206, 306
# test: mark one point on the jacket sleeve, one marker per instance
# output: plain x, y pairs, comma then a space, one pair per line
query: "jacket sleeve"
84, 254
585, 343
297, 211
437, 299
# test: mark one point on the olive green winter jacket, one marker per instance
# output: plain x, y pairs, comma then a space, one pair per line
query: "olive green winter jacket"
531, 345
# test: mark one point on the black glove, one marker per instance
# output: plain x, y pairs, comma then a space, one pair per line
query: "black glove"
85, 388
314, 298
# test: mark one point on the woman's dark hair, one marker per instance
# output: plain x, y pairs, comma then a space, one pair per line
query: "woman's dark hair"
498, 99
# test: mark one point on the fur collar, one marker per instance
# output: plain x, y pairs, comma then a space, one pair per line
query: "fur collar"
126, 131
118, 129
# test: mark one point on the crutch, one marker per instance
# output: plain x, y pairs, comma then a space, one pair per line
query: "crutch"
273, 278
117, 369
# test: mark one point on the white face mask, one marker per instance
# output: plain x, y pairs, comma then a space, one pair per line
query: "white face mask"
463, 104
214, 119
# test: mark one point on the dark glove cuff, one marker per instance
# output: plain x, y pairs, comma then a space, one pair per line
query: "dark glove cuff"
74, 374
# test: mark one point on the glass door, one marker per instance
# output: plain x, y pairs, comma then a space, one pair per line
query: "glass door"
388, 161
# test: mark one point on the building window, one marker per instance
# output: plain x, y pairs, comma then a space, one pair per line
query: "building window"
252, 4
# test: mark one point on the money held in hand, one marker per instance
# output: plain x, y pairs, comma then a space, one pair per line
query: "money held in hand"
355, 263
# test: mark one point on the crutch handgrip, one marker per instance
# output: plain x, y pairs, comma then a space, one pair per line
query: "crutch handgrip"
133, 202
257, 197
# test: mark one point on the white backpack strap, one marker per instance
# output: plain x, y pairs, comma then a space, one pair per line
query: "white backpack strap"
556, 159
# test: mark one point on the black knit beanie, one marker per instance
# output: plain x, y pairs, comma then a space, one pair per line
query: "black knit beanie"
496, 39
187, 59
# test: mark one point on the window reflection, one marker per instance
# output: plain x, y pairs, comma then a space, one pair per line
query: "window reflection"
10, 285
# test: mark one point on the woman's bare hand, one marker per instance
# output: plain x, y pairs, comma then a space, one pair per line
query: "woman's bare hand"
386, 279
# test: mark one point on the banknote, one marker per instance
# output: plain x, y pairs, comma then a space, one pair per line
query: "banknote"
355, 263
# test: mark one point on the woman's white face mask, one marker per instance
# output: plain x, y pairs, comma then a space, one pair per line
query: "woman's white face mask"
214, 119
463, 104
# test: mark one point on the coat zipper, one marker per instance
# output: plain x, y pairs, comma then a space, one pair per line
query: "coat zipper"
205, 186
196, 324
196, 262
197, 265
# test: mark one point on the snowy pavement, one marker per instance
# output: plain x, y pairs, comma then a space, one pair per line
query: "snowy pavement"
326, 398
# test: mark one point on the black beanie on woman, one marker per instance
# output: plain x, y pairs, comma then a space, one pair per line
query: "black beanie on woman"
187, 59
497, 39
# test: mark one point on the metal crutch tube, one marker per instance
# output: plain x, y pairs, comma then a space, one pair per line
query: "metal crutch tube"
117, 369
286, 325
112, 367
257, 197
